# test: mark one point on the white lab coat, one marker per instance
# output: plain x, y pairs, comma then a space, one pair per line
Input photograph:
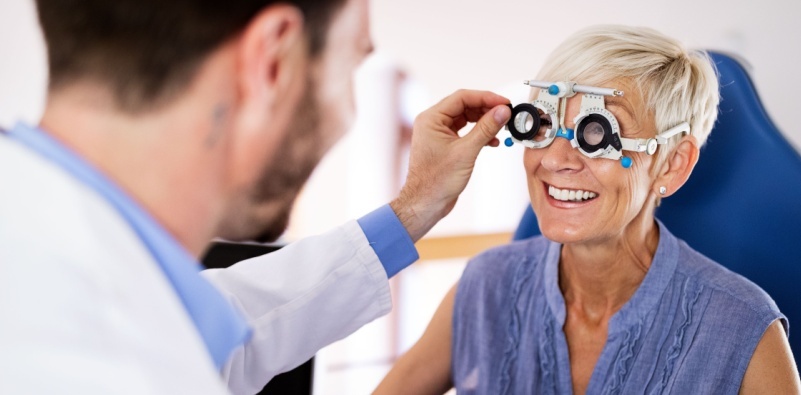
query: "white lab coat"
84, 309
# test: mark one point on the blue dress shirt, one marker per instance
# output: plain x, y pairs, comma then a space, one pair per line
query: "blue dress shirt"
389, 239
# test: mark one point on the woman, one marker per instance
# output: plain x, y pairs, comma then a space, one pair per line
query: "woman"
607, 300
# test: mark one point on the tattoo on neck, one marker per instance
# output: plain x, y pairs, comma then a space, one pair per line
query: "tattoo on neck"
218, 125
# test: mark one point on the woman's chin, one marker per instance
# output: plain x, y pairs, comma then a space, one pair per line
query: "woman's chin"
564, 233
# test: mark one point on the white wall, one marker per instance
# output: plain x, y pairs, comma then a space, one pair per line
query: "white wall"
23, 68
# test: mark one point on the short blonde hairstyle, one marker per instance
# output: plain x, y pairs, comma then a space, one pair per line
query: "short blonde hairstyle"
676, 84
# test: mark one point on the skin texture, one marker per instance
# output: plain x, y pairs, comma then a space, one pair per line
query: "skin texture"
227, 157
608, 245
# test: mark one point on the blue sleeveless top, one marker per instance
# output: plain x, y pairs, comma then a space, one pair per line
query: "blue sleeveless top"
690, 328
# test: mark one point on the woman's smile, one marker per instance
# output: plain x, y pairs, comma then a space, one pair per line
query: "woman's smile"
566, 197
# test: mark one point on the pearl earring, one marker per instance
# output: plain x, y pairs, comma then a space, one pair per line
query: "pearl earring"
662, 190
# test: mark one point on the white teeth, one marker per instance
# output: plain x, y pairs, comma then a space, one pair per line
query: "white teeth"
570, 195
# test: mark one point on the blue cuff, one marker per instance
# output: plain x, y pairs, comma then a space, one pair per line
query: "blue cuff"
389, 239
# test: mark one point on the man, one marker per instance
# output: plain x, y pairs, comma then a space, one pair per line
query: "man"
168, 124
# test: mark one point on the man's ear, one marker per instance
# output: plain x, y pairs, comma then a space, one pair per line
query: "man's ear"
270, 77
271, 53
677, 167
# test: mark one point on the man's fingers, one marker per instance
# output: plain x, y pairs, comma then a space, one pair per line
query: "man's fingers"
468, 102
488, 126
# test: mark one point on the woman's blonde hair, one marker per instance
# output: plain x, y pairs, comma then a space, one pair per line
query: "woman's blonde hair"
676, 84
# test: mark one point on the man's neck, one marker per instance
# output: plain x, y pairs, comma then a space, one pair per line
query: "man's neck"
157, 158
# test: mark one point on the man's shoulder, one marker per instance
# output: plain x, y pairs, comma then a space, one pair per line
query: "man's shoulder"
69, 258
49, 218
34, 187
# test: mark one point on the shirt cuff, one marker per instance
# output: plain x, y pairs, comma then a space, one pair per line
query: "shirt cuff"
389, 239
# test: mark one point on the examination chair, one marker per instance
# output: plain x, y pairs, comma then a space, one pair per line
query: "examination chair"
742, 205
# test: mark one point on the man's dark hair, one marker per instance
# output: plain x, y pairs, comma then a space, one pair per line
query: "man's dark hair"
145, 51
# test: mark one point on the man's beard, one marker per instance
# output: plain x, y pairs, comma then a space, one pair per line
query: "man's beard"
282, 179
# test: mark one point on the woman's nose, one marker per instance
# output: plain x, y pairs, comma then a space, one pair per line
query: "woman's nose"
561, 156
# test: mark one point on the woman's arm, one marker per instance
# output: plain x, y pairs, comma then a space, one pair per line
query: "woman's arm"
772, 368
426, 368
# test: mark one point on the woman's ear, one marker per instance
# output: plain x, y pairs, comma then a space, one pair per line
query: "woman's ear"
677, 168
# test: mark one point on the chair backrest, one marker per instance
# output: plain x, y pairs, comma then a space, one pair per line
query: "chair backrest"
742, 205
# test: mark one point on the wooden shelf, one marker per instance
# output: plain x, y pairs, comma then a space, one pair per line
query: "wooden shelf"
462, 246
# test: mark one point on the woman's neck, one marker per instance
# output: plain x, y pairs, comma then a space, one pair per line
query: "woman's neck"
597, 278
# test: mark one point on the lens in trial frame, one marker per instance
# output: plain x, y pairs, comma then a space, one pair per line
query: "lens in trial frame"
594, 132
526, 123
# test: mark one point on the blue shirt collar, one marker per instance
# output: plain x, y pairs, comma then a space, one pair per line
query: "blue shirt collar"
222, 327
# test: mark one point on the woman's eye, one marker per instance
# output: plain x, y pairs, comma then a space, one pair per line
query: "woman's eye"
594, 133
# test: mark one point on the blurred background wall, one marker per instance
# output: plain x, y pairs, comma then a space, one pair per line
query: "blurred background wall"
425, 50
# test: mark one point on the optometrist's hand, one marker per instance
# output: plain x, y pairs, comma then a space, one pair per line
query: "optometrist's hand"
441, 162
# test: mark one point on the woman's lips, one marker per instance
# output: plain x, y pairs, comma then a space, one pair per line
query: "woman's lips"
568, 197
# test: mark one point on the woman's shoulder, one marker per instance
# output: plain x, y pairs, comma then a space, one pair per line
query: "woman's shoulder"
723, 315
728, 286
